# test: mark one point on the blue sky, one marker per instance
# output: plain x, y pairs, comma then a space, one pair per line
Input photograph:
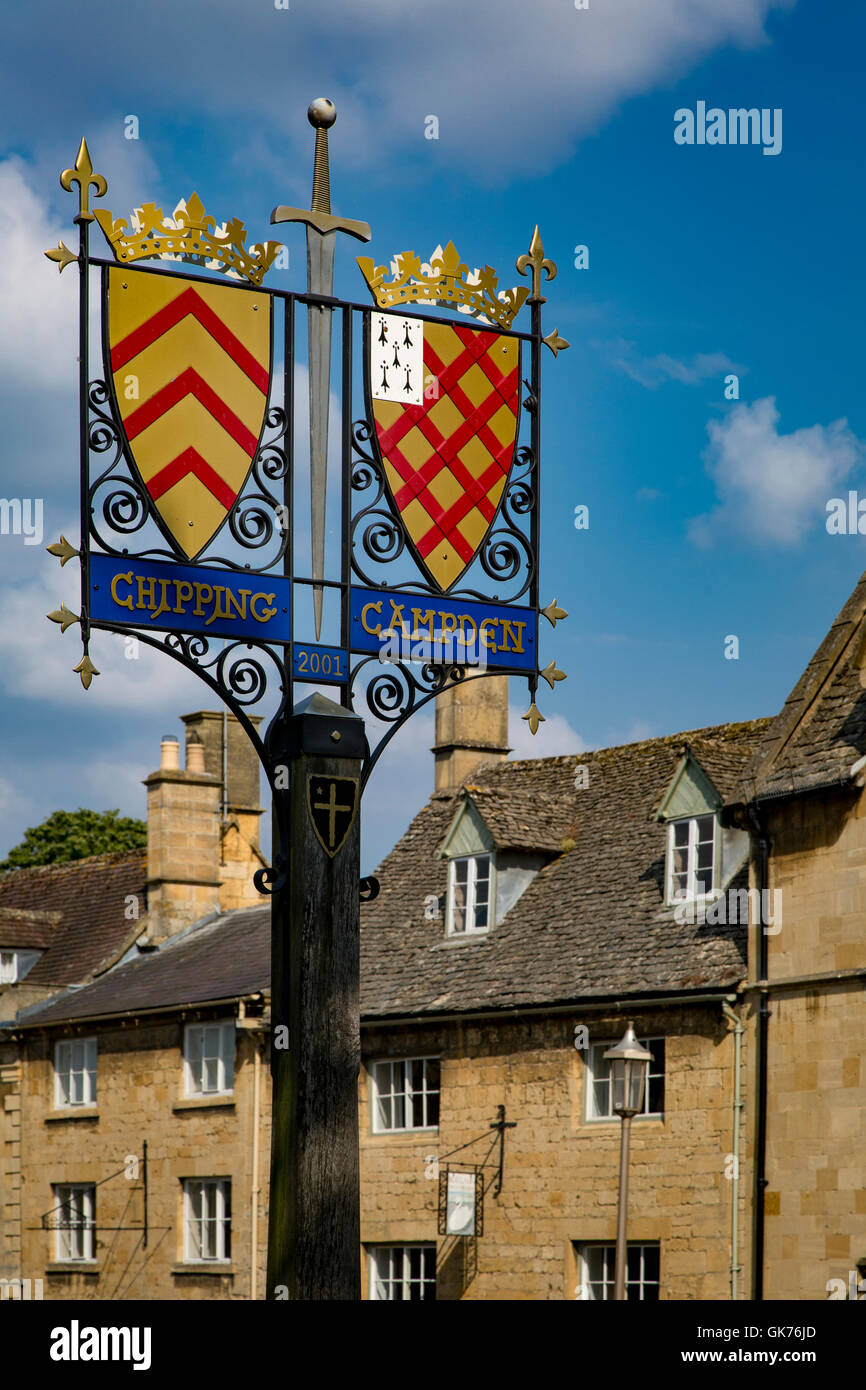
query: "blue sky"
707, 516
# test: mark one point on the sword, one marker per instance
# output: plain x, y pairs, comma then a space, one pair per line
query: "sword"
322, 227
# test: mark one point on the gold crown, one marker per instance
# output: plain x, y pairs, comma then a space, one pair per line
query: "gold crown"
190, 235
445, 280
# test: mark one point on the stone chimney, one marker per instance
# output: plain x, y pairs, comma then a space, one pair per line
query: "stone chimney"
226, 753
471, 728
202, 825
182, 843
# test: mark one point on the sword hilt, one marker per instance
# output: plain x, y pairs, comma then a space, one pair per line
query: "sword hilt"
321, 114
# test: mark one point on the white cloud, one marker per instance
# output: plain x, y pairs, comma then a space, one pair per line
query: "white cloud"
518, 86
656, 371
36, 661
39, 344
771, 486
555, 736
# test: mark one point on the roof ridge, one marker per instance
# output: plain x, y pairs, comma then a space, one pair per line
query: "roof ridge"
807, 693
110, 856
703, 731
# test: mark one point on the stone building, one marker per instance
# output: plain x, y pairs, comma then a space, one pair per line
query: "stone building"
708, 885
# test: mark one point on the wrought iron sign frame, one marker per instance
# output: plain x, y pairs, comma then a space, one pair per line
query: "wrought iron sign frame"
115, 504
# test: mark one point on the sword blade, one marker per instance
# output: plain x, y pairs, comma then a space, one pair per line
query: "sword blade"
320, 280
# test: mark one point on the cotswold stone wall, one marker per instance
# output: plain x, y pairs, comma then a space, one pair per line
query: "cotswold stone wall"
140, 1096
561, 1170
815, 1203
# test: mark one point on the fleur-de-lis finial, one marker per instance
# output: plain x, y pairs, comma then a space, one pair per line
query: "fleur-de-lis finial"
535, 258
534, 717
82, 174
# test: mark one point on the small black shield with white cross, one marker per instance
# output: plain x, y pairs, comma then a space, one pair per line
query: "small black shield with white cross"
332, 803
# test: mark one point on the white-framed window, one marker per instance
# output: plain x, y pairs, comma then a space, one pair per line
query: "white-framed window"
8, 967
75, 1221
207, 1223
74, 1072
402, 1271
209, 1058
691, 858
470, 883
597, 1272
405, 1094
599, 1098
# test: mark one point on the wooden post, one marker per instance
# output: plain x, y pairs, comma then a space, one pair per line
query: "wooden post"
314, 1235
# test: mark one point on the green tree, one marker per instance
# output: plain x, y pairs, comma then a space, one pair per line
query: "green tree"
67, 835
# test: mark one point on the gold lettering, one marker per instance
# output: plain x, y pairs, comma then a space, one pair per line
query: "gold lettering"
377, 608
181, 599
142, 585
266, 613
449, 625
241, 607
516, 638
163, 606
426, 617
486, 635
462, 639
127, 579
397, 612
219, 606
200, 589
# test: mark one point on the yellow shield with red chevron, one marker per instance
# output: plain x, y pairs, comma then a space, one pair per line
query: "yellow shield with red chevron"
191, 366
445, 401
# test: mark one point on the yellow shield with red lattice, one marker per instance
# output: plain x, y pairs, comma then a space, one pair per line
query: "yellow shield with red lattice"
445, 402
191, 366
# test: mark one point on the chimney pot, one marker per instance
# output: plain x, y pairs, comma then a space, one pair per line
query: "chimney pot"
169, 754
195, 755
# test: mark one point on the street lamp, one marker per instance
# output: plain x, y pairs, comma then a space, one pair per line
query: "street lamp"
629, 1065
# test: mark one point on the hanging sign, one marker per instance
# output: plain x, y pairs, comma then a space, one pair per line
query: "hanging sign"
143, 593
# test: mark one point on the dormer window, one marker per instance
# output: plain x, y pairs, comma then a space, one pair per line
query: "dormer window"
470, 894
691, 858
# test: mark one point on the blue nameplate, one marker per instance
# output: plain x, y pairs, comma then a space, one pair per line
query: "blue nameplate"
445, 631
127, 591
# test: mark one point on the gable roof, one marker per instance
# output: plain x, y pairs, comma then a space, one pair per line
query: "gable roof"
821, 730
20, 929
88, 897
592, 922
521, 804
220, 959
690, 792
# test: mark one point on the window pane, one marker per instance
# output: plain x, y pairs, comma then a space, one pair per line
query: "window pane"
458, 908
651, 1263
418, 1110
706, 826
600, 1081
681, 832
399, 1111
193, 1053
